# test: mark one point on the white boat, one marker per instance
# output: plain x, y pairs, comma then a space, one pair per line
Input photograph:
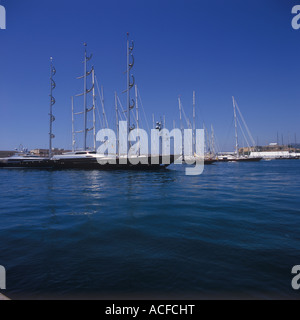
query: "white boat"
24, 159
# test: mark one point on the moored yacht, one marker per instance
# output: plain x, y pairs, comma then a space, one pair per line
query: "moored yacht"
88, 158
92, 160
236, 157
25, 159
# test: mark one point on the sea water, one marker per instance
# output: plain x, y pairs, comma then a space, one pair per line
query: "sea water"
232, 232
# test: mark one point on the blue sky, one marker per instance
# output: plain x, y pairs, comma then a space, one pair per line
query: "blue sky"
220, 49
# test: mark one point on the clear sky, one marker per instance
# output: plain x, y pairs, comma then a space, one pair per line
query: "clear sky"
219, 48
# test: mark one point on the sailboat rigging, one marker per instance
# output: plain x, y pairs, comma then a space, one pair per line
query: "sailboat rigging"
237, 157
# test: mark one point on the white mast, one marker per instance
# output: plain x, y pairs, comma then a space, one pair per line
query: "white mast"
206, 142
94, 108
194, 123
84, 94
181, 127
117, 121
180, 115
129, 85
52, 102
213, 140
128, 92
236, 132
84, 99
137, 116
103, 109
73, 128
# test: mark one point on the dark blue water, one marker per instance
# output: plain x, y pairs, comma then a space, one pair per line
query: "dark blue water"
231, 232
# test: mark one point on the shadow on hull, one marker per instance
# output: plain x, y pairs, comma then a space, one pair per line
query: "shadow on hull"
239, 160
91, 164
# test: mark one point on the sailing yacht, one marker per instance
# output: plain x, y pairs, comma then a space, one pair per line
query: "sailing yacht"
194, 157
237, 157
25, 159
89, 158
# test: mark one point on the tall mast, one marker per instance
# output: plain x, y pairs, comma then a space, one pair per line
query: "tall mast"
137, 116
73, 127
117, 121
103, 109
180, 114
129, 85
236, 132
128, 92
194, 122
84, 99
212, 140
94, 108
52, 102
207, 139
181, 127
84, 94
